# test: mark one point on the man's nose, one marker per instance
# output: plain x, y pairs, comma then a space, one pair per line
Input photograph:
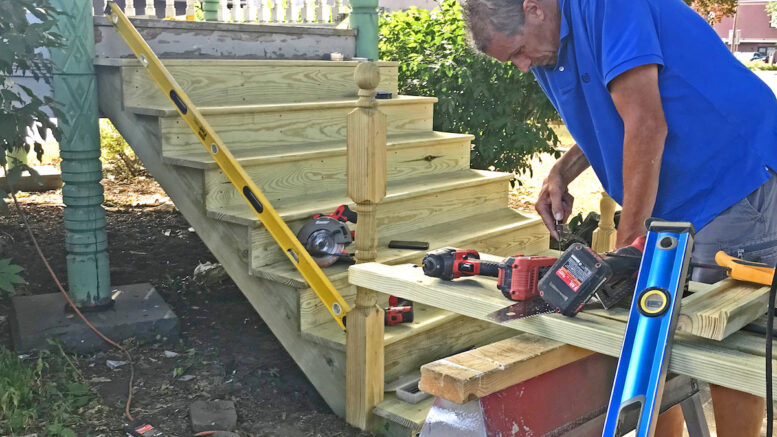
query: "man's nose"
523, 63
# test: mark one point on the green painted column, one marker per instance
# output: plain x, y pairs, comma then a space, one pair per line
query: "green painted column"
75, 89
364, 18
210, 9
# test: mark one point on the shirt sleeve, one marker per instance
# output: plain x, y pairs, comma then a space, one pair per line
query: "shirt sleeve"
626, 35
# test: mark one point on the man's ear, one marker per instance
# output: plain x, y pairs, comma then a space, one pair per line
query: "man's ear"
533, 10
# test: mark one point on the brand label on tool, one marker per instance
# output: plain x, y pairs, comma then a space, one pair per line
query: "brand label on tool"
573, 273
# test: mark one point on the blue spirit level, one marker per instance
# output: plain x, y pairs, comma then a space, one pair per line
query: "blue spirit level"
644, 359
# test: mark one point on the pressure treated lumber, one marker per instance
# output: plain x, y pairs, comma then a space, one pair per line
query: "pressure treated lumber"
480, 372
366, 185
322, 173
714, 362
281, 125
239, 82
718, 312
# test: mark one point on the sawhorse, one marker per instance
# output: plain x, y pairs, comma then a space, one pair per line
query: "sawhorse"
531, 386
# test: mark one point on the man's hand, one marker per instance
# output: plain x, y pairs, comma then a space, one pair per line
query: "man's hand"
638, 101
555, 202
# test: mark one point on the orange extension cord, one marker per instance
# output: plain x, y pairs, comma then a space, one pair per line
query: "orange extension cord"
75, 308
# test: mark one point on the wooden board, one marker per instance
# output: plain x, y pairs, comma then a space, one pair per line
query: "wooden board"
722, 310
480, 372
504, 232
714, 362
320, 174
230, 82
416, 206
277, 126
307, 151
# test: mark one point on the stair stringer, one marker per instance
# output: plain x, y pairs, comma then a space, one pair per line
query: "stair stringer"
277, 304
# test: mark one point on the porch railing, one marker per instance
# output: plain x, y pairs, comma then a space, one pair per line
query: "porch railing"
237, 11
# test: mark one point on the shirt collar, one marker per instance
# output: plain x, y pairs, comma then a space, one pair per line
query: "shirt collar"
563, 6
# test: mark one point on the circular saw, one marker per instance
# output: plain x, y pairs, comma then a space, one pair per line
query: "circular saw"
326, 237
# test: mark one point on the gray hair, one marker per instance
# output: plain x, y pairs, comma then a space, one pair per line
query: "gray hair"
483, 17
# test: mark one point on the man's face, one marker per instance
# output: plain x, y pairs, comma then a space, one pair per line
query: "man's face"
538, 42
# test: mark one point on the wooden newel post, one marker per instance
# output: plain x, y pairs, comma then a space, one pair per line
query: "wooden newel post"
366, 171
604, 236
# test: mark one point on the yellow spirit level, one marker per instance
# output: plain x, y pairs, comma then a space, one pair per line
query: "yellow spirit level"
219, 152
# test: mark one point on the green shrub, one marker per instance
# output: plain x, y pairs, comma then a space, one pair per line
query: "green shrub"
761, 66
117, 156
504, 109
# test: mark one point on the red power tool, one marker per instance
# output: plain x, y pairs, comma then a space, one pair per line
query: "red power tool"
517, 275
398, 311
449, 263
326, 237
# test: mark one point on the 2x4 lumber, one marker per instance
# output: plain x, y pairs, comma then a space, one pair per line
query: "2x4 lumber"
718, 312
282, 125
480, 372
320, 174
711, 362
231, 82
314, 150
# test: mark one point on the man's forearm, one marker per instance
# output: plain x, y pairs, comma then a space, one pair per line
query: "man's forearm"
643, 147
570, 165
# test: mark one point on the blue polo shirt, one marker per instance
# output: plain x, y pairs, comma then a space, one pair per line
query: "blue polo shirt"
722, 119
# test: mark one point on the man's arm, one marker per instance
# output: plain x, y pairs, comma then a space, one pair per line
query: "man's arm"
554, 201
638, 101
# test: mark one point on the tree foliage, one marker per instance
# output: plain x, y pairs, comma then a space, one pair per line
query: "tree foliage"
21, 39
504, 109
713, 10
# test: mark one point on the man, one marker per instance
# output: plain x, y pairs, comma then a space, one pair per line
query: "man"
673, 125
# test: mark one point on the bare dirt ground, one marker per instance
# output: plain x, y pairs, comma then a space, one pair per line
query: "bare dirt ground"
225, 348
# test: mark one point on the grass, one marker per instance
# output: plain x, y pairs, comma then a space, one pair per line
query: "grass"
43, 395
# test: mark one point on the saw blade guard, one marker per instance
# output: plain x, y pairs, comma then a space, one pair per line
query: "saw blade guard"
325, 239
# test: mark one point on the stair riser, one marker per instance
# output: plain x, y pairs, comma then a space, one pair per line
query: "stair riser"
395, 216
276, 129
526, 239
322, 174
251, 83
408, 355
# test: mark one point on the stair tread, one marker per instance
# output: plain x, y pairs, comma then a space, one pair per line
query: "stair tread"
293, 208
443, 234
411, 416
172, 62
202, 159
424, 318
170, 111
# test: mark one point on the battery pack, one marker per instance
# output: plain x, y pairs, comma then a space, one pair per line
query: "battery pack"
573, 278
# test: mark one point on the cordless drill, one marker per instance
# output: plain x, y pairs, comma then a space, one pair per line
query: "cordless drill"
517, 276
449, 263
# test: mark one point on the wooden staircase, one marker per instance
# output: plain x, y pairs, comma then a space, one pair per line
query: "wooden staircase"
286, 123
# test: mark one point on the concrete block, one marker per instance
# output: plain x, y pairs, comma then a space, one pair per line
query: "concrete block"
213, 416
50, 179
138, 311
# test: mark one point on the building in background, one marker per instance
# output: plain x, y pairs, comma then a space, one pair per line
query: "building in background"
755, 31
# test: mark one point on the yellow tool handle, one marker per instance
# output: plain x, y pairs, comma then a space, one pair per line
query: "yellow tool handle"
742, 270
218, 151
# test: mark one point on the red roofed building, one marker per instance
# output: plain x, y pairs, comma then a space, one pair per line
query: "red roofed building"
756, 33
